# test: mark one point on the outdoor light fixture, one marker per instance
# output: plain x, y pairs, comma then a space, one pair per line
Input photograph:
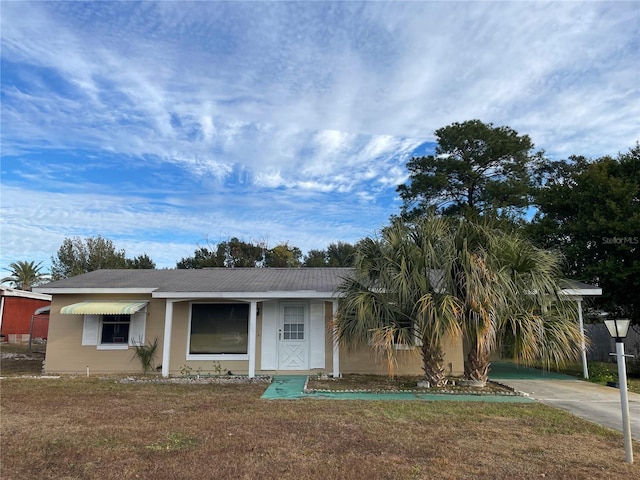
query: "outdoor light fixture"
618, 329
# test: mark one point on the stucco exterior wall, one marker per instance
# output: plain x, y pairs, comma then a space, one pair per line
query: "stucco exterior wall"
409, 362
65, 353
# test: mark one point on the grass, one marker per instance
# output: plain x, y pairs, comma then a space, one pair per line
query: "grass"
15, 359
90, 428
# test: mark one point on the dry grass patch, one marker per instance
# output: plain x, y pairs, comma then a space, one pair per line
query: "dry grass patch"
102, 429
16, 359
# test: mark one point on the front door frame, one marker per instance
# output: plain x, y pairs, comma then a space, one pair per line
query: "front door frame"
283, 343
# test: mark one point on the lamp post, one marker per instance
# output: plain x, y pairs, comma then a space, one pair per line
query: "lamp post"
618, 329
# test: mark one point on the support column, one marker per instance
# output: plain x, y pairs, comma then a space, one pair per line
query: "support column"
253, 313
166, 347
585, 369
336, 345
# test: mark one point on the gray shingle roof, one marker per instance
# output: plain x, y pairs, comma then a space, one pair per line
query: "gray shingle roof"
210, 280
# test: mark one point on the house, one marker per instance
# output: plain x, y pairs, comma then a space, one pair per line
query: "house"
22, 314
254, 321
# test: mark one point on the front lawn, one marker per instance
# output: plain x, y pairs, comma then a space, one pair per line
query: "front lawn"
91, 428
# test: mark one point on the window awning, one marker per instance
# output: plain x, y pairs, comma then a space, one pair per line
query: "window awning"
104, 308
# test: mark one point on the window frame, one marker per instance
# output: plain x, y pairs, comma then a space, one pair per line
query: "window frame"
92, 325
215, 356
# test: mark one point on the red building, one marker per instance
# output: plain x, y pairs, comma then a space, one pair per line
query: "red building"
17, 309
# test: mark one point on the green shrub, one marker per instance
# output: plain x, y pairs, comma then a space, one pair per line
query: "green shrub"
145, 354
603, 372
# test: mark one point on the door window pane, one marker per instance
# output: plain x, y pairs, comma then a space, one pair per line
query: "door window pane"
293, 327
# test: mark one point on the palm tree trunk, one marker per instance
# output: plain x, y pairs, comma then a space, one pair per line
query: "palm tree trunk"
433, 365
476, 368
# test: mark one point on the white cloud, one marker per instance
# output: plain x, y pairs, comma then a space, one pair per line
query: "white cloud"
298, 105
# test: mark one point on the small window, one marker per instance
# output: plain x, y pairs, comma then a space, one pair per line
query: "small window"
115, 329
219, 329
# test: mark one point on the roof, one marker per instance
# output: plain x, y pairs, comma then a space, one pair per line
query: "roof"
228, 282
14, 292
579, 289
225, 282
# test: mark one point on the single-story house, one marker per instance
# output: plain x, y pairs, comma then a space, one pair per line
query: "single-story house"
253, 321
18, 309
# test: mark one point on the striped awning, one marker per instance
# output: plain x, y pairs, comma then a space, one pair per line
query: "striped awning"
104, 308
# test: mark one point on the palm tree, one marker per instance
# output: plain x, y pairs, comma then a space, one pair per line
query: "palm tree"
440, 278
510, 290
25, 275
393, 298
539, 320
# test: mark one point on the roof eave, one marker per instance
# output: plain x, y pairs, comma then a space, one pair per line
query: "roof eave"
248, 295
33, 294
95, 290
582, 292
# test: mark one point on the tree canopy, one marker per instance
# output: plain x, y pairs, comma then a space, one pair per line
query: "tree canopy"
590, 211
77, 255
283, 256
476, 168
238, 253
338, 254
25, 275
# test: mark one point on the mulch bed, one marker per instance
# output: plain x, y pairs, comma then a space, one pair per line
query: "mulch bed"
381, 384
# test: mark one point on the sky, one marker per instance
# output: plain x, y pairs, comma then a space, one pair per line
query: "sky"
166, 126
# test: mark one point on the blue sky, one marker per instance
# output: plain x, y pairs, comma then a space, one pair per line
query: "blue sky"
162, 126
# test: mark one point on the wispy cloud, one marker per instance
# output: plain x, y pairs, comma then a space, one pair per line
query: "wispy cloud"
313, 107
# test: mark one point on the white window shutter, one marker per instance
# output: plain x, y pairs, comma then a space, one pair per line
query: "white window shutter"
316, 335
90, 329
269, 356
137, 327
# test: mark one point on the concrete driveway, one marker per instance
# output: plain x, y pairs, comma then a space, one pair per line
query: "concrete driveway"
587, 400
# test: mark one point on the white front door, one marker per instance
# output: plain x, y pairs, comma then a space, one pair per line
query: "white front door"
293, 337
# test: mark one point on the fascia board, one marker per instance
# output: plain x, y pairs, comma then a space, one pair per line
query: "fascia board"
580, 292
33, 295
246, 295
94, 291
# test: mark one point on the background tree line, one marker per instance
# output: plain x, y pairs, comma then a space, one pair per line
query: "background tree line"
237, 253
81, 255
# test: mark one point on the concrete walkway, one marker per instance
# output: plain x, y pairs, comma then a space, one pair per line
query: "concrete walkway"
590, 401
